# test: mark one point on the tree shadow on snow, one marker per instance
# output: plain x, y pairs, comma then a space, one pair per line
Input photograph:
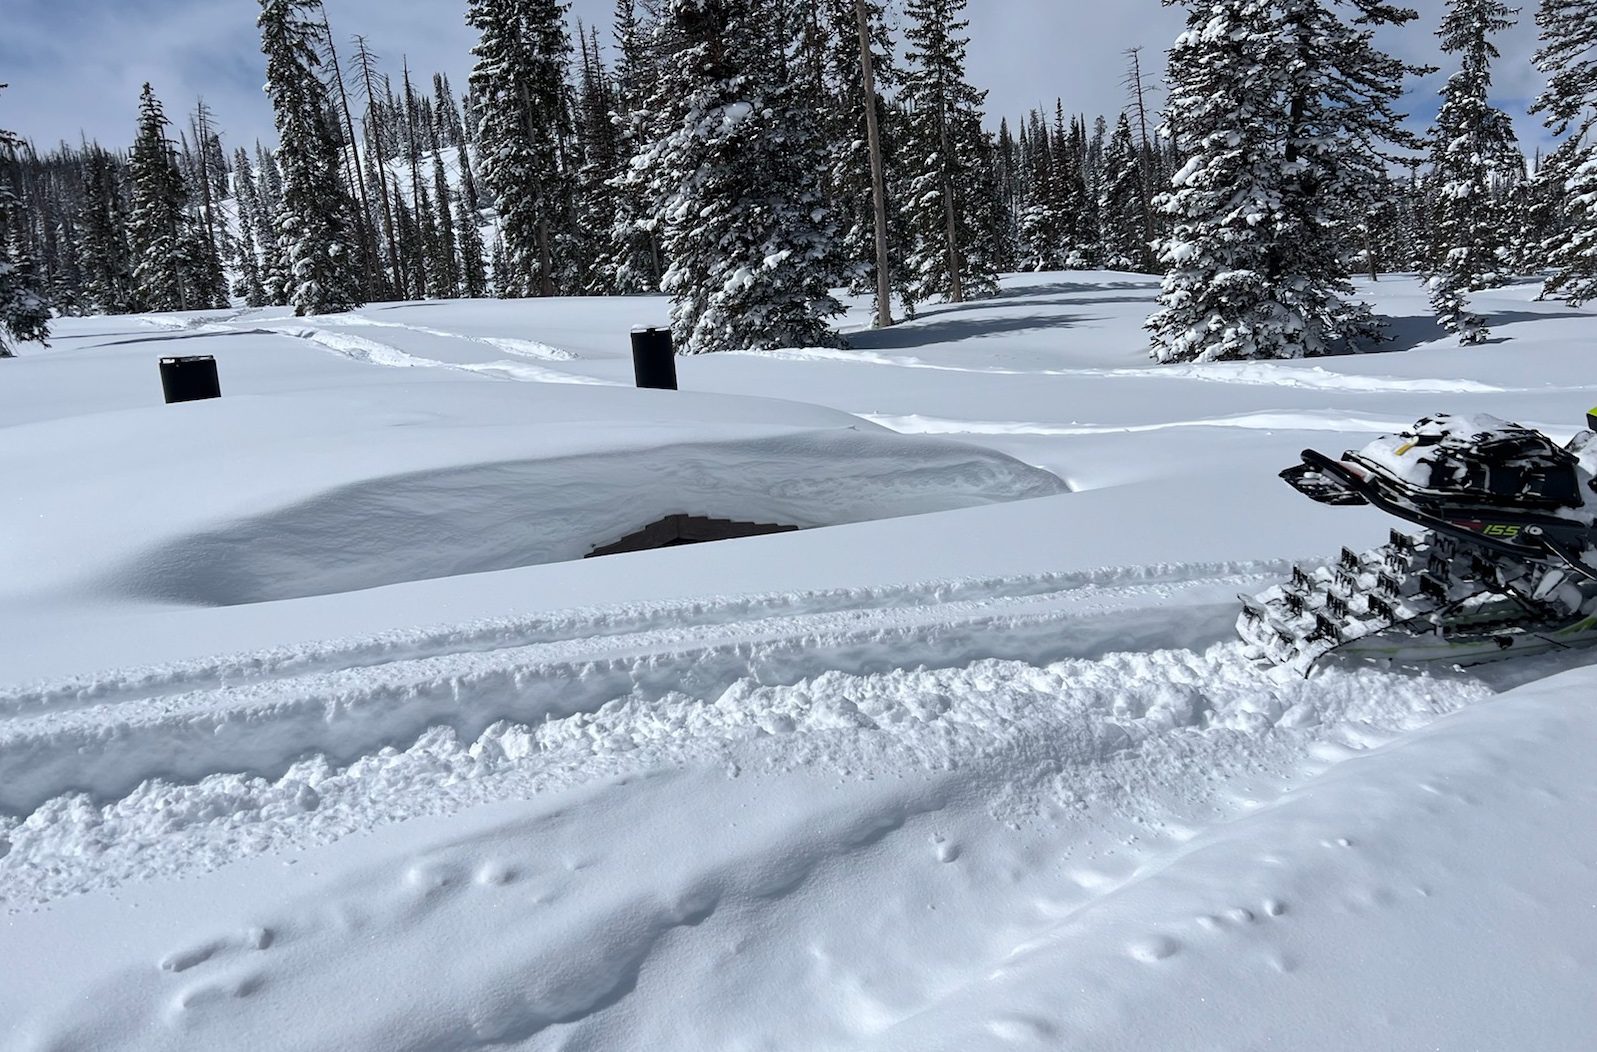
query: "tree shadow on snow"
168, 337
1409, 332
954, 330
1055, 293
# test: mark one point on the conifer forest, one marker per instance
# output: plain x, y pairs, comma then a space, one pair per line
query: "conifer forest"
753, 158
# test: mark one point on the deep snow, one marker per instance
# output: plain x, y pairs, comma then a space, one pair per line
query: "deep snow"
981, 769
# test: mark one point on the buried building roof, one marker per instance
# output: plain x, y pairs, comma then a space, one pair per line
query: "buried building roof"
277, 496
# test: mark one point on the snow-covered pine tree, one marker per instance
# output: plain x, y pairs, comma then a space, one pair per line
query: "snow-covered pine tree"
1339, 140
447, 283
24, 315
202, 261
155, 218
446, 113
1288, 110
473, 268
269, 229
1471, 144
498, 264
734, 174
600, 160
1219, 300
65, 272
1120, 204
992, 250
318, 240
246, 260
1009, 179
1569, 57
341, 123
944, 146
1042, 222
108, 271
519, 83
1537, 208
629, 261
421, 245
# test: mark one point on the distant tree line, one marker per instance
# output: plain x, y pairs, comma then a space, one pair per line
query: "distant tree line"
728, 154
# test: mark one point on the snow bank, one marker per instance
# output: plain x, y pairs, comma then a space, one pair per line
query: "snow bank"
256, 498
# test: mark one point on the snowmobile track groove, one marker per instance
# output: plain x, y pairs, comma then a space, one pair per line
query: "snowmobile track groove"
107, 746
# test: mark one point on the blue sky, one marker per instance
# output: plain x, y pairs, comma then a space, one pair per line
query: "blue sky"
76, 65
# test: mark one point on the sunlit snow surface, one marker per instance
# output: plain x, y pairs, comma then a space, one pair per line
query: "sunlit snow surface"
310, 739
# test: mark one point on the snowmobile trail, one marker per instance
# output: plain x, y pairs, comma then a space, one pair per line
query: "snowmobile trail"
1153, 582
226, 759
1245, 374
56, 740
373, 352
1033, 726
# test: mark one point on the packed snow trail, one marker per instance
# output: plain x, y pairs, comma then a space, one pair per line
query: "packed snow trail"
546, 926
55, 740
242, 754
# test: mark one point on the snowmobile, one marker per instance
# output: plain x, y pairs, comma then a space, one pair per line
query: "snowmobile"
1504, 563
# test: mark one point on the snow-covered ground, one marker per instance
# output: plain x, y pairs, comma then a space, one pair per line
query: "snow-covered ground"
317, 732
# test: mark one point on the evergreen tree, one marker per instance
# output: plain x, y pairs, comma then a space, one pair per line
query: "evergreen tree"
1080, 204
473, 269
108, 272
322, 256
1341, 128
448, 280
1042, 223
598, 145
519, 82
246, 261
1120, 204
1290, 148
944, 145
202, 265
498, 264
451, 130
629, 261
274, 260
1472, 141
155, 219
1218, 300
734, 177
1569, 57
24, 315
1537, 208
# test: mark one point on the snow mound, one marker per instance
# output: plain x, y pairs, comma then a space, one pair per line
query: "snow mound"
474, 518
261, 497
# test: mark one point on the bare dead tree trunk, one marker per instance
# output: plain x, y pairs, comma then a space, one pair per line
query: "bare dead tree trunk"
1139, 100
873, 131
202, 133
411, 151
546, 285
956, 263
357, 183
364, 58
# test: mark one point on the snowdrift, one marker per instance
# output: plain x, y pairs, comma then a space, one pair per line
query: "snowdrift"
271, 497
